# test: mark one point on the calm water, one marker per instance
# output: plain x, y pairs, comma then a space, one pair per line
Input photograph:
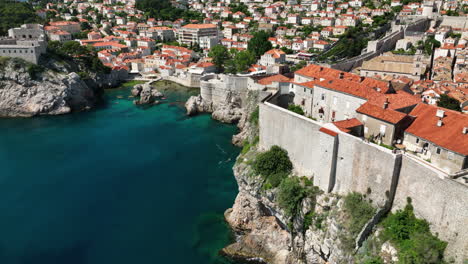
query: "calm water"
120, 184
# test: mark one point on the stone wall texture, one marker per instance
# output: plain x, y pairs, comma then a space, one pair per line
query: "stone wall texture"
341, 163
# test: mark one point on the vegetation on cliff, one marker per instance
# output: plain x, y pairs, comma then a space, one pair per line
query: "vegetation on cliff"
84, 57
275, 160
32, 69
412, 237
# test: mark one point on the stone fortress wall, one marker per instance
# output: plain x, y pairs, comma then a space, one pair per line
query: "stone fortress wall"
377, 47
341, 163
218, 89
26, 42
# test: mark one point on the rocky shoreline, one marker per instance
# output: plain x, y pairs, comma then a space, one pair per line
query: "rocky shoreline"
54, 90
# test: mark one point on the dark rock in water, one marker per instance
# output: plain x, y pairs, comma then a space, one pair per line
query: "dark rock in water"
148, 94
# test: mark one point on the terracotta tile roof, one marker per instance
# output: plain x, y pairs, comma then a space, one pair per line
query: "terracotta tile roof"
397, 100
388, 115
328, 131
275, 53
199, 26
448, 136
345, 125
274, 78
320, 72
349, 87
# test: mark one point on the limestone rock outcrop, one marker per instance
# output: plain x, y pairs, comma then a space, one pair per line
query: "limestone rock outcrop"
195, 105
48, 93
147, 94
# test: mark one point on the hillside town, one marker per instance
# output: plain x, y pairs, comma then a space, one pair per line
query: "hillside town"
392, 90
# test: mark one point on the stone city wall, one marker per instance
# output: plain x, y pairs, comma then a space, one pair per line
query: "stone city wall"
441, 201
218, 89
341, 163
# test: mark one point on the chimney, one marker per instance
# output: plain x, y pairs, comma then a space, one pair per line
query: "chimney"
321, 68
465, 130
439, 122
341, 75
362, 79
385, 104
440, 113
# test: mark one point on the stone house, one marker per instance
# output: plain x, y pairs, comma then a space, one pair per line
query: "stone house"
272, 57
440, 136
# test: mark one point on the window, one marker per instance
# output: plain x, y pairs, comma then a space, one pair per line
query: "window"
417, 140
323, 97
304, 90
383, 128
438, 151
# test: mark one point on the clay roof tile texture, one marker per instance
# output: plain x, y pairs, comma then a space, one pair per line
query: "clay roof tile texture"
449, 136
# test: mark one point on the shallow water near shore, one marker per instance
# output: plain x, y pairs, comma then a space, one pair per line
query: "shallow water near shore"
119, 184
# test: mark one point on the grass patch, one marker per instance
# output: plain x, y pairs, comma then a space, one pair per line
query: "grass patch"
359, 210
254, 116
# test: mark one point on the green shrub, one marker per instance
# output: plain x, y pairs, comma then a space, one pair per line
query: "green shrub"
245, 147
315, 219
296, 109
290, 195
412, 237
359, 210
254, 116
275, 179
276, 160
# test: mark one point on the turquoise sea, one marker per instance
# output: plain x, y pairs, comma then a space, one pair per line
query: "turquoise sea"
117, 185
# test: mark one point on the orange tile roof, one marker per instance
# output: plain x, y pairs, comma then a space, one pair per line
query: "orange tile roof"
349, 87
345, 125
397, 100
274, 78
448, 136
328, 131
388, 115
199, 26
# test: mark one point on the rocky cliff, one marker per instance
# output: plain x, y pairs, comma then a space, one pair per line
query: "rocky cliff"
28, 90
230, 111
23, 94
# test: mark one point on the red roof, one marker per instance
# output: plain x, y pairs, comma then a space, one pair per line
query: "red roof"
346, 125
199, 26
381, 113
274, 78
328, 131
448, 136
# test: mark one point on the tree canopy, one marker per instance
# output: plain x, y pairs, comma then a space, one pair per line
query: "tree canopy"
14, 14
259, 44
449, 102
219, 55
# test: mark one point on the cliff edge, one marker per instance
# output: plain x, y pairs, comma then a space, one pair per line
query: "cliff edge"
28, 90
